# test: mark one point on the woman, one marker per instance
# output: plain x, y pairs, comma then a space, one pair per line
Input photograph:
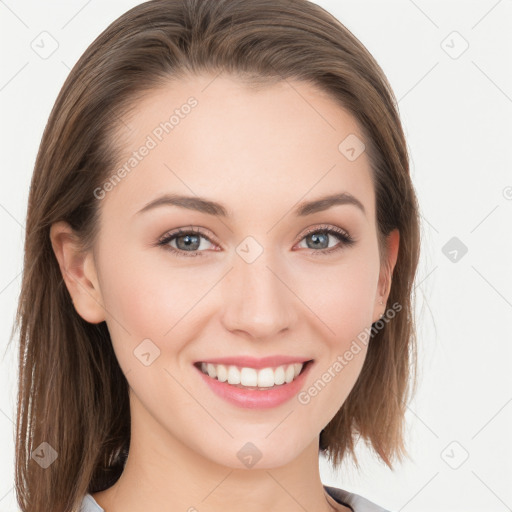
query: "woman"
222, 239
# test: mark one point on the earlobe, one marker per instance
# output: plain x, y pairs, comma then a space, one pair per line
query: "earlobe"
79, 273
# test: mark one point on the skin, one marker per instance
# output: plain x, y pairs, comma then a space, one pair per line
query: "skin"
259, 152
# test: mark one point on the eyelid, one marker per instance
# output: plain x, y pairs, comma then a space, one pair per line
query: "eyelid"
211, 238
165, 240
324, 227
346, 239
185, 230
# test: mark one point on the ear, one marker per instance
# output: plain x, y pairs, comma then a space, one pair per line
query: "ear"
79, 273
387, 267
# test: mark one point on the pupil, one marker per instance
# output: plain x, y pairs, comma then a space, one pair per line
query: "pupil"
316, 237
188, 240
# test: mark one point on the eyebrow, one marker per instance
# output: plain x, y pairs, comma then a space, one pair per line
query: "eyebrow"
209, 207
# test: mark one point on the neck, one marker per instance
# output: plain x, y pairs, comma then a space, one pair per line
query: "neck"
162, 473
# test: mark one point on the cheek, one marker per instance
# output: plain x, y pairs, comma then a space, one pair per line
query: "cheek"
147, 297
343, 296
153, 298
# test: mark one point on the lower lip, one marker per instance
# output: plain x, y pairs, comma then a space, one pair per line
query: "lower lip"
256, 398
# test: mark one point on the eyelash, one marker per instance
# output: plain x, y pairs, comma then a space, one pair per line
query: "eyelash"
342, 235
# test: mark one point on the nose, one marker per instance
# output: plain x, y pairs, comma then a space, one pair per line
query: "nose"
258, 298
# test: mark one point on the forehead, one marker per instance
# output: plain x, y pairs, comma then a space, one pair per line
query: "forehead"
218, 137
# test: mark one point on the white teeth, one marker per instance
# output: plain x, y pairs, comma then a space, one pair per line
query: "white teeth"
233, 375
212, 372
249, 377
264, 378
289, 374
279, 375
267, 377
222, 373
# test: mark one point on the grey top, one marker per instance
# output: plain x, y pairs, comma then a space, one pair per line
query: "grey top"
353, 501
89, 505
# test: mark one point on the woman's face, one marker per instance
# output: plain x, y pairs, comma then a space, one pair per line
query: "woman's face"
250, 283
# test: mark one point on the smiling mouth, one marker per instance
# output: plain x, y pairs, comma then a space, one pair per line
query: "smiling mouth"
252, 378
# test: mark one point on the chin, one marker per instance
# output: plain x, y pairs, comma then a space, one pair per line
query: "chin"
256, 453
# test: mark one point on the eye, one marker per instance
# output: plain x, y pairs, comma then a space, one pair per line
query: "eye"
319, 236
185, 239
187, 242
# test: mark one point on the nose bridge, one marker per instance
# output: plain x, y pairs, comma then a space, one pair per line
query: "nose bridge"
257, 299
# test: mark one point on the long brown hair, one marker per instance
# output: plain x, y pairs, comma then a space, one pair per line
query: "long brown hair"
73, 396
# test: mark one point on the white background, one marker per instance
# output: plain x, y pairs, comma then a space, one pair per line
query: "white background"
457, 116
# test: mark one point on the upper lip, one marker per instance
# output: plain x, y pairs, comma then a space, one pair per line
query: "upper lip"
254, 362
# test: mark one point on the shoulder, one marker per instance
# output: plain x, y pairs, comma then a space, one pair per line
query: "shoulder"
89, 505
354, 501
